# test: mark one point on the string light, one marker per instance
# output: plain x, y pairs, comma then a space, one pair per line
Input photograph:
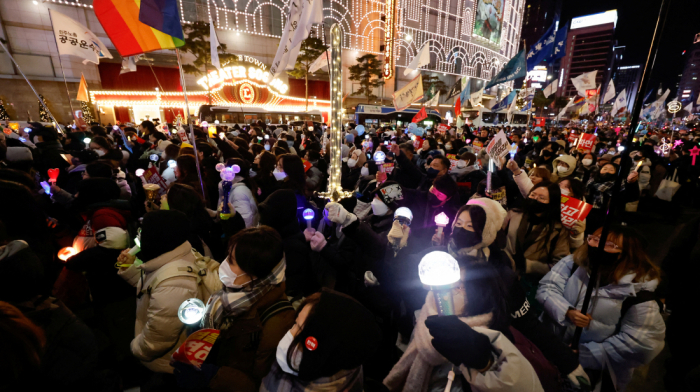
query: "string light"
335, 190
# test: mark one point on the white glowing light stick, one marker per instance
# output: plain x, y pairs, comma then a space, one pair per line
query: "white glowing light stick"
439, 272
335, 190
308, 215
191, 311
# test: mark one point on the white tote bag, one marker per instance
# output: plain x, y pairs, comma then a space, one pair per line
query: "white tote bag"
668, 187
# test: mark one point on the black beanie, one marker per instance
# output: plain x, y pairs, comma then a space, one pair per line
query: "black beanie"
445, 184
390, 192
340, 335
279, 209
96, 190
161, 232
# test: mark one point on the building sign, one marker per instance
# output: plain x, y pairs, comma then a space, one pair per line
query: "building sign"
255, 73
594, 20
247, 93
538, 74
390, 26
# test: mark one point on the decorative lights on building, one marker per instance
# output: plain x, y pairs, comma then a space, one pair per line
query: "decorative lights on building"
335, 191
389, 34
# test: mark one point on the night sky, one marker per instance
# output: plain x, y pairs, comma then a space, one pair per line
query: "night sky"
635, 27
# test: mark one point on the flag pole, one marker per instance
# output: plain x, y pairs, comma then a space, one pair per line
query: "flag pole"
189, 121
29, 83
60, 64
621, 173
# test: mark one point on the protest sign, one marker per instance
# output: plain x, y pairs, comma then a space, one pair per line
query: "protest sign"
152, 177
443, 128
477, 147
587, 142
573, 210
388, 168
498, 147
196, 348
572, 137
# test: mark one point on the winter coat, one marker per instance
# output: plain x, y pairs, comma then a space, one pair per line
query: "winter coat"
537, 257
609, 341
314, 178
524, 183
242, 368
158, 330
570, 161
50, 158
266, 185
98, 263
243, 201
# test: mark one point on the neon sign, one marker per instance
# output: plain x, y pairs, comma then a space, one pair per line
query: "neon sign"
390, 26
218, 77
247, 93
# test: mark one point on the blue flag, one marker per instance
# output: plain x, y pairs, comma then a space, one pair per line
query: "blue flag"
162, 15
515, 68
464, 95
505, 102
542, 49
559, 48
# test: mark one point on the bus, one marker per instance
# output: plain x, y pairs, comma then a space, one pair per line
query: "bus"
388, 116
487, 118
230, 115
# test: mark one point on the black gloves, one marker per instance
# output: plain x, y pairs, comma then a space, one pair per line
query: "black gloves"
458, 342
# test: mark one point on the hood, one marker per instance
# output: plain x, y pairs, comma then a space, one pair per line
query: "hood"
495, 215
569, 160
77, 169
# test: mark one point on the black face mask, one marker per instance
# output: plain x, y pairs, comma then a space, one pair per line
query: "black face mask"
605, 177
464, 238
255, 167
533, 206
604, 258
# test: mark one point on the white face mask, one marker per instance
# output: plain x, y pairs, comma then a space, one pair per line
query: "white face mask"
279, 175
461, 164
352, 163
379, 208
364, 171
283, 349
587, 162
565, 191
562, 169
227, 276
99, 152
448, 146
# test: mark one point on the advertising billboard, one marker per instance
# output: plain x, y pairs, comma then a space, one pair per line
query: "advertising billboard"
489, 20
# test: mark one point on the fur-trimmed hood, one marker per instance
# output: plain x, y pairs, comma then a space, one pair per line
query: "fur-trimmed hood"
495, 215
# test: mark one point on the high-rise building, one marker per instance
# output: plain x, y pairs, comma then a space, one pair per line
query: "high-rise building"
689, 86
538, 15
589, 47
626, 77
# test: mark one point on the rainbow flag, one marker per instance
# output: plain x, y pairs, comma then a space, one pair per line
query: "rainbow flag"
120, 19
578, 101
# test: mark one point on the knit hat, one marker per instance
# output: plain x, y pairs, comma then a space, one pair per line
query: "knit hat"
340, 335
107, 217
468, 156
607, 157
96, 190
161, 232
495, 215
292, 133
350, 138
446, 185
279, 209
389, 192
19, 154
163, 144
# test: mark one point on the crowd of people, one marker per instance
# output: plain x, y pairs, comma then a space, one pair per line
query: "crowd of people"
97, 262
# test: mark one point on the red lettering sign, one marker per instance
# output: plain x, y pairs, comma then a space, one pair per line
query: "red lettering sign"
587, 142
573, 210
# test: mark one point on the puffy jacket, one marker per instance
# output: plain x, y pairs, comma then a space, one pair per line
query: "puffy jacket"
158, 330
243, 201
609, 341
567, 159
536, 256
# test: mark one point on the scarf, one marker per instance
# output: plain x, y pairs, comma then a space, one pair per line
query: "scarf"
412, 372
343, 381
601, 192
227, 303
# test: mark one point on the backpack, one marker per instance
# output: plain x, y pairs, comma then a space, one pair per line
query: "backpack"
205, 270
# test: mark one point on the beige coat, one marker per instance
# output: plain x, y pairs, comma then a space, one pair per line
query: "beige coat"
158, 331
536, 254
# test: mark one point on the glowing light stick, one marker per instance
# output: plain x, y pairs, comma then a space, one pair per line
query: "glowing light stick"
47, 187
441, 220
66, 253
172, 164
86, 140
403, 215
694, 153
227, 175
191, 311
308, 215
53, 175
513, 150
439, 272
137, 248
152, 191
335, 190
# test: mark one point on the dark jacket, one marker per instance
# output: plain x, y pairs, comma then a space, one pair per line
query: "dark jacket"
98, 264
50, 158
244, 362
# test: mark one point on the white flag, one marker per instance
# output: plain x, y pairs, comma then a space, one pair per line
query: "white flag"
421, 59
128, 65
584, 82
551, 89
74, 39
571, 102
213, 45
320, 62
434, 100
511, 109
620, 102
475, 98
698, 101
409, 93
302, 16
609, 92
689, 108
584, 110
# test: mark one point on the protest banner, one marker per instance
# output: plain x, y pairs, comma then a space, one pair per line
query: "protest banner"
152, 177
443, 128
410, 93
587, 142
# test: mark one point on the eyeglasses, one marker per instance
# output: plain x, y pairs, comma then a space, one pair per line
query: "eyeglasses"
594, 240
